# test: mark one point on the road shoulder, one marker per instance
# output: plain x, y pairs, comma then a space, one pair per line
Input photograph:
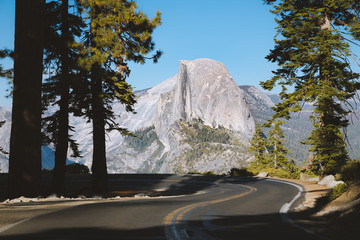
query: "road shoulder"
335, 220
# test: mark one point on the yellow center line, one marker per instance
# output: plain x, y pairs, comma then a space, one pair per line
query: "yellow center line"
174, 218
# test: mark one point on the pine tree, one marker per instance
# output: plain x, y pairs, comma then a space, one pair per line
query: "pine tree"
25, 139
258, 146
312, 53
61, 65
327, 142
7, 73
276, 146
63, 130
118, 33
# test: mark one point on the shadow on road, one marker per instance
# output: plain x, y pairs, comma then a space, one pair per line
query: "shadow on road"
255, 227
129, 185
228, 225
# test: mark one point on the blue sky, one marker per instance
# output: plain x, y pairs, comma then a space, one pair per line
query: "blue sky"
238, 33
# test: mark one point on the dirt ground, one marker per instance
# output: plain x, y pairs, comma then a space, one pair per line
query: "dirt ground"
337, 220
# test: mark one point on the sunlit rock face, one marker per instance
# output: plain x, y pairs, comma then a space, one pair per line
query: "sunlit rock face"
204, 89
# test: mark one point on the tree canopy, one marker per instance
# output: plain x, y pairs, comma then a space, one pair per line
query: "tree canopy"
117, 33
85, 54
312, 51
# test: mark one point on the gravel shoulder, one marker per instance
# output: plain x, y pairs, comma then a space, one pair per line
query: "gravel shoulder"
312, 192
337, 220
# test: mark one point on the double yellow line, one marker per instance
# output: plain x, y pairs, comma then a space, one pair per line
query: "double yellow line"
175, 217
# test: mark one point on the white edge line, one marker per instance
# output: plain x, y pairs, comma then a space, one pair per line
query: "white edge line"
286, 207
7, 227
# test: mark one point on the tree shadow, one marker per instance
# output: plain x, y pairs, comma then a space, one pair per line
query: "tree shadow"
268, 226
129, 185
205, 225
191, 184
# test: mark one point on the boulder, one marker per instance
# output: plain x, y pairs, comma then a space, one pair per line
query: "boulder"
263, 174
330, 181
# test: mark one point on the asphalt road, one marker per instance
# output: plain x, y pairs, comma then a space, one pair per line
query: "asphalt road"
213, 208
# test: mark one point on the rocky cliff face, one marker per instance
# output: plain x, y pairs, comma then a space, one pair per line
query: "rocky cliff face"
5, 115
197, 120
204, 90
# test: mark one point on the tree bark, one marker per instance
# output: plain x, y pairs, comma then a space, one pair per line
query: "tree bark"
99, 167
25, 139
63, 120
325, 25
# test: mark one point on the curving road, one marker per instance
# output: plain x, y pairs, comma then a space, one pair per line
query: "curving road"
213, 208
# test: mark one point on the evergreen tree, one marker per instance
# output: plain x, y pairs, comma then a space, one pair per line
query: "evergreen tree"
7, 73
258, 146
25, 139
118, 33
328, 145
277, 150
312, 53
61, 62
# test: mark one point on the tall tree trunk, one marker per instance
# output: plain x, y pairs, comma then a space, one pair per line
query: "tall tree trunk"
25, 139
325, 25
63, 120
99, 168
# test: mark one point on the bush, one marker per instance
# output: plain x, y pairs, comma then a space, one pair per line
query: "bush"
351, 171
236, 172
309, 172
209, 173
255, 169
337, 191
281, 173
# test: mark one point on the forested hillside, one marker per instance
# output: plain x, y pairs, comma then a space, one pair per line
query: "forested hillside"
299, 126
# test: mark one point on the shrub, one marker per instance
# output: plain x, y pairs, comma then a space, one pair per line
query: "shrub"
337, 191
255, 169
351, 171
236, 172
209, 173
281, 173
309, 172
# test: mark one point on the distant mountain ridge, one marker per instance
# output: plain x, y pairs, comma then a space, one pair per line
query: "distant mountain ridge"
197, 120
204, 91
